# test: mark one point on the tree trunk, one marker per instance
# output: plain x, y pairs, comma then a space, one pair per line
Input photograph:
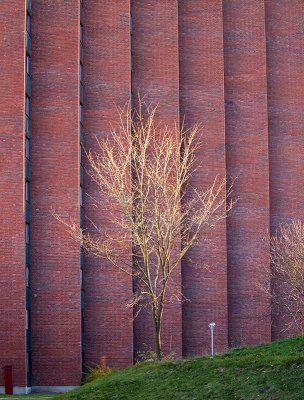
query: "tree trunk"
157, 339
157, 342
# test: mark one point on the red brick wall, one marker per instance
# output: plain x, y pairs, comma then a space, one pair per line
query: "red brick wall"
188, 56
285, 68
55, 257
155, 75
108, 323
247, 161
202, 101
12, 201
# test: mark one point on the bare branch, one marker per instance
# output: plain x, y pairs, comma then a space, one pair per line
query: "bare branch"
143, 169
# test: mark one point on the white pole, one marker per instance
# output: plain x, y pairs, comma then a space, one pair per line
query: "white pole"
212, 348
211, 327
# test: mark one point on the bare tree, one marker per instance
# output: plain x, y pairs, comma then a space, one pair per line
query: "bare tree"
143, 168
287, 272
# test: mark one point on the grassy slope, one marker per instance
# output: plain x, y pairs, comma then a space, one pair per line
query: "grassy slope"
32, 396
274, 371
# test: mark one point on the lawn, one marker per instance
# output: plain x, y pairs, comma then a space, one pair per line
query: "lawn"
32, 396
271, 372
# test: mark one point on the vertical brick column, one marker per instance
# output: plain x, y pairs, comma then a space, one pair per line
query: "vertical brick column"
12, 197
285, 73
202, 101
108, 323
155, 75
55, 257
247, 161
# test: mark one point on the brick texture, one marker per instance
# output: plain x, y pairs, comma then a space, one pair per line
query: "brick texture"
155, 75
107, 84
247, 162
285, 67
204, 269
55, 257
236, 67
12, 202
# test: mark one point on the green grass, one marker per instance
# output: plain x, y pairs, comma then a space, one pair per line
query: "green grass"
30, 396
273, 372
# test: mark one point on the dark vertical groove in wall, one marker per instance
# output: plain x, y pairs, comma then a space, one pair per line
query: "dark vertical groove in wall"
132, 97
